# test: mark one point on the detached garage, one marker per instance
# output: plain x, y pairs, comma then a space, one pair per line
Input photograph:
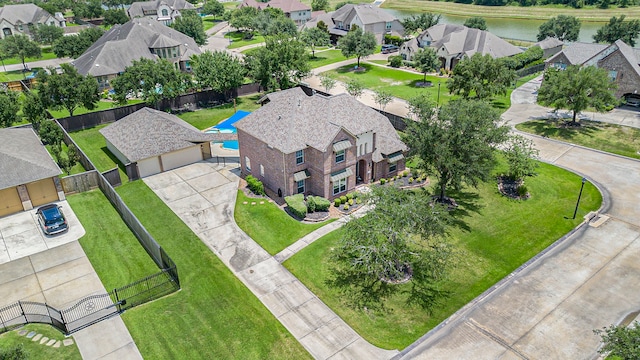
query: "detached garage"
156, 141
28, 174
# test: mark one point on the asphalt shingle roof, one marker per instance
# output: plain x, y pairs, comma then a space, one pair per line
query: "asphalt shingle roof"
578, 52
368, 14
148, 132
458, 39
24, 13
138, 8
23, 158
122, 44
292, 121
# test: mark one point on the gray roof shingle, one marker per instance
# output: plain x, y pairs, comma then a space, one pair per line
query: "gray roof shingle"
23, 158
367, 13
122, 44
292, 121
458, 39
24, 13
578, 52
148, 132
138, 8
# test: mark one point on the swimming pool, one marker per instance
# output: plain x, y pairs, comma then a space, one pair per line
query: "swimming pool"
227, 127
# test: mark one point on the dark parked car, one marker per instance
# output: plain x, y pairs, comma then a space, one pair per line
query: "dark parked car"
51, 219
389, 48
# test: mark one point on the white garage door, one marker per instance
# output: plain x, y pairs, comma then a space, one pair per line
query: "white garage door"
149, 166
181, 157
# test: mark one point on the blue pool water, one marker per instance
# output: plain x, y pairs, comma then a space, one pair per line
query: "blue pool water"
228, 127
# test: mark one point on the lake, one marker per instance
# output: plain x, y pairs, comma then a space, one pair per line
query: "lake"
517, 29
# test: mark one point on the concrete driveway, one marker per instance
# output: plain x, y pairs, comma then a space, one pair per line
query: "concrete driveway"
203, 195
21, 235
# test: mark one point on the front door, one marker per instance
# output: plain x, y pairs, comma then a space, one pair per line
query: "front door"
361, 171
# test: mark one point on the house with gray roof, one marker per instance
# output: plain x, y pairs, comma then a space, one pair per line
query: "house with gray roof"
453, 43
139, 38
619, 59
156, 141
550, 46
295, 10
20, 18
29, 174
163, 11
317, 145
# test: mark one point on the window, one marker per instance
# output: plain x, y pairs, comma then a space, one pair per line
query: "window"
392, 167
613, 75
339, 156
339, 24
300, 186
339, 186
299, 157
361, 150
247, 164
560, 66
365, 148
388, 25
261, 170
165, 12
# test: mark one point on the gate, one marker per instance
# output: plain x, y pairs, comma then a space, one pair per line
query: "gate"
88, 311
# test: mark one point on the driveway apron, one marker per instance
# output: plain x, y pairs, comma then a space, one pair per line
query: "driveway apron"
203, 195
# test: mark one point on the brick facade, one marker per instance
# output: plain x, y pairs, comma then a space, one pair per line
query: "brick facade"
627, 79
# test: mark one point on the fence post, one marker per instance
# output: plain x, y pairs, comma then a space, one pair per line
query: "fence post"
115, 291
22, 310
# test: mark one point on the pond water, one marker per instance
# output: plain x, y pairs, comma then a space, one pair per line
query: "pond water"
517, 29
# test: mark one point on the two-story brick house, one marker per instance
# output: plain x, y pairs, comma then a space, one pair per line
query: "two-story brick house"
295, 10
318, 145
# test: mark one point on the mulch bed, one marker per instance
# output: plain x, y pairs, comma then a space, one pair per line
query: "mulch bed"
509, 187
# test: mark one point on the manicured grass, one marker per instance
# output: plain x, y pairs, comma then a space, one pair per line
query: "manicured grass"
113, 250
102, 105
268, 225
37, 351
209, 21
205, 118
76, 169
325, 58
15, 75
239, 41
46, 55
515, 12
492, 237
214, 316
616, 139
94, 146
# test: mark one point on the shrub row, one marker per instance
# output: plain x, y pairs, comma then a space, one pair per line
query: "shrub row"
317, 203
518, 61
296, 205
255, 185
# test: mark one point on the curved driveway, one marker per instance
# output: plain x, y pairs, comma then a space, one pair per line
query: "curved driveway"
590, 279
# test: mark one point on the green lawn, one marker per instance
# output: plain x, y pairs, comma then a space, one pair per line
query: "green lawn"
616, 139
494, 236
15, 75
36, 351
214, 316
205, 118
46, 55
239, 41
94, 146
102, 105
208, 22
113, 250
76, 169
268, 225
325, 58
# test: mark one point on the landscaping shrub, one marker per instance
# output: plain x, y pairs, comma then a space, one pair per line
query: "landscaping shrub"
395, 61
296, 205
382, 181
322, 204
349, 196
337, 202
522, 191
524, 59
343, 198
408, 63
311, 204
405, 174
392, 39
346, 207
255, 185
351, 202
410, 180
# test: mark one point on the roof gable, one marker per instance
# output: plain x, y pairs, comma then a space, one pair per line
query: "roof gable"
462, 40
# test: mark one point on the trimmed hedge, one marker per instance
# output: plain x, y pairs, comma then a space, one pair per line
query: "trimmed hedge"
319, 203
296, 205
255, 185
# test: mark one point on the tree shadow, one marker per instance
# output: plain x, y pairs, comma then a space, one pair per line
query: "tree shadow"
561, 129
468, 204
352, 67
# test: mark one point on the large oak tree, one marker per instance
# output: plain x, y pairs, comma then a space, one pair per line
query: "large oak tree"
280, 64
218, 70
482, 76
357, 43
67, 90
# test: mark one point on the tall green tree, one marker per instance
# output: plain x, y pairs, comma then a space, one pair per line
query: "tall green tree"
456, 143
243, 19
9, 107
67, 90
426, 60
190, 24
33, 109
317, 5
620, 342
47, 34
50, 133
420, 22
327, 83
577, 88
313, 37
219, 71
213, 7
280, 64
382, 98
401, 240
520, 154
151, 81
357, 43
618, 29
90, 9
115, 16
561, 27
476, 22
481, 75
21, 47
74, 46
354, 88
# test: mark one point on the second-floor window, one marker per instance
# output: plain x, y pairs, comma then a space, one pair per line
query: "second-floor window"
388, 26
299, 157
165, 12
339, 156
247, 163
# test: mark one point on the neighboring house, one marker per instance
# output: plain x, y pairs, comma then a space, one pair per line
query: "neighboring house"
29, 174
317, 145
164, 11
550, 46
452, 43
618, 58
139, 38
156, 141
19, 18
295, 10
